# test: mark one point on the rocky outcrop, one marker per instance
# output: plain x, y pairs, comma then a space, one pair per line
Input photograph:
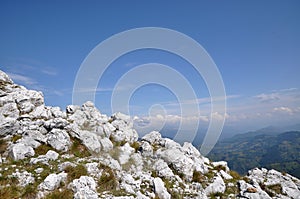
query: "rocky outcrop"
81, 153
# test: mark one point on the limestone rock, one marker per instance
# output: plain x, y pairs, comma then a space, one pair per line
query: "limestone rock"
20, 151
52, 181
24, 178
59, 139
160, 189
84, 188
217, 186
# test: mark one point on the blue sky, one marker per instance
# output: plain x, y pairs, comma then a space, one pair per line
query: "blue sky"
255, 44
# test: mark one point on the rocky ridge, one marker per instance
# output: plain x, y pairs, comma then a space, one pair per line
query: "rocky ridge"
81, 153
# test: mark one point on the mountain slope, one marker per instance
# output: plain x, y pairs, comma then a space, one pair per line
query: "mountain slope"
279, 151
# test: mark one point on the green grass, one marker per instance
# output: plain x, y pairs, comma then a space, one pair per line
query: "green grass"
42, 149
64, 194
216, 195
108, 180
30, 192
3, 146
15, 138
136, 146
78, 149
198, 177
76, 172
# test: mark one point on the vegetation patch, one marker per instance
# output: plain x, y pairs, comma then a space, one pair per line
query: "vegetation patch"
277, 188
42, 149
136, 146
76, 172
65, 194
15, 138
198, 177
78, 149
3, 146
108, 180
217, 195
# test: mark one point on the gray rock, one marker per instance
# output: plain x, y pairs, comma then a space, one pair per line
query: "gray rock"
160, 189
59, 139
8, 126
84, 188
39, 170
179, 161
92, 169
125, 152
255, 193
20, 151
52, 155
10, 110
217, 186
146, 149
58, 123
52, 181
162, 169
90, 140
153, 137
106, 144
64, 165
4, 78
222, 164
290, 185
29, 141
24, 178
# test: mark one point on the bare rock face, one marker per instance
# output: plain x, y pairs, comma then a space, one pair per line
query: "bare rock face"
81, 153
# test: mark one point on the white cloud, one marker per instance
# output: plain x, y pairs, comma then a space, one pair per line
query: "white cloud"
49, 71
22, 79
283, 109
268, 97
200, 101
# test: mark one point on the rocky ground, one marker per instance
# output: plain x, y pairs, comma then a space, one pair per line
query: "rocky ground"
81, 153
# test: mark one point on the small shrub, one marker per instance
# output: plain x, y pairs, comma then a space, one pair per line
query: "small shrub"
76, 172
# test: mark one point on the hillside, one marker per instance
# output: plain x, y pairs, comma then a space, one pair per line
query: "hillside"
80, 153
280, 151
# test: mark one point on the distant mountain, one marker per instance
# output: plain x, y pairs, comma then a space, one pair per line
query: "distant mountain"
263, 148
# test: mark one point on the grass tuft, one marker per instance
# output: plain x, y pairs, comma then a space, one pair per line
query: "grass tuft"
76, 172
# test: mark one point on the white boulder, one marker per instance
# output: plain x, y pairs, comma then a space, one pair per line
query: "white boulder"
59, 139
160, 189
52, 181
84, 188
20, 151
